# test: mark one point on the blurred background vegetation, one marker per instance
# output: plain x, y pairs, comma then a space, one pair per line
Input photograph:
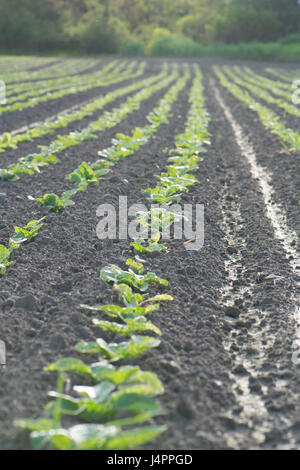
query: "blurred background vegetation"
253, 29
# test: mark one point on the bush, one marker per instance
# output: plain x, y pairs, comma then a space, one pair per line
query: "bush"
240, 24
178, 47
133, 49
186, 47
97, 34
291, 39
157, 35
198, 26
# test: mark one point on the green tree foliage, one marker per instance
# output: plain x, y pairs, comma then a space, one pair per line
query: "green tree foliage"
256, 20
106, 26
97, 31
29, 24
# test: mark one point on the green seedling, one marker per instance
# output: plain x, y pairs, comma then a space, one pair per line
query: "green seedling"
102, 402
164, 195
27, 233
135, 304
151, 248
94, 437
128, 297
136, 346
124, 145
103, 370
158, 220
85, 175
116, 275
114, 311
125, 377
4, 259
137, 324
54, 203
22, 234
138, 268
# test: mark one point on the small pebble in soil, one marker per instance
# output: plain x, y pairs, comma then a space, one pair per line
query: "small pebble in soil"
28, 302
56, 342
185, 408
240, 370
231, 250
232, 312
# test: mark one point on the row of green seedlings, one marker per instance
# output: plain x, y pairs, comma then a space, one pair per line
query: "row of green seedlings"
18, 88
33, 162
90, 83
49, 68
20, 64
7, 141
278, 88
23, 91
108, 73
289, 76
52, 70
114, 399
176, 180
269, 119
87, 174
259, 91
99, 404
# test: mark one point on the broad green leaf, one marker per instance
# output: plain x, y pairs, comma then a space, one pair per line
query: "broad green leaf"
134, 438
132, 326
138, 268
115, 274
70, 365
136, 346
41, 424
98, 393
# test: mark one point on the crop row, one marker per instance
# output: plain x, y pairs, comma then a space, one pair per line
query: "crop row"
48, 127
8, 141
87, 174
117, 398
261, 92
123, 146
33, 162
9, 64
89, 83
17, 88
269, 119
177, 179
21, 92
289, 76
276, 87
24, 90
63, 68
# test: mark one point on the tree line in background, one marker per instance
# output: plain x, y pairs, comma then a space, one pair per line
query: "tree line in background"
106, 26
